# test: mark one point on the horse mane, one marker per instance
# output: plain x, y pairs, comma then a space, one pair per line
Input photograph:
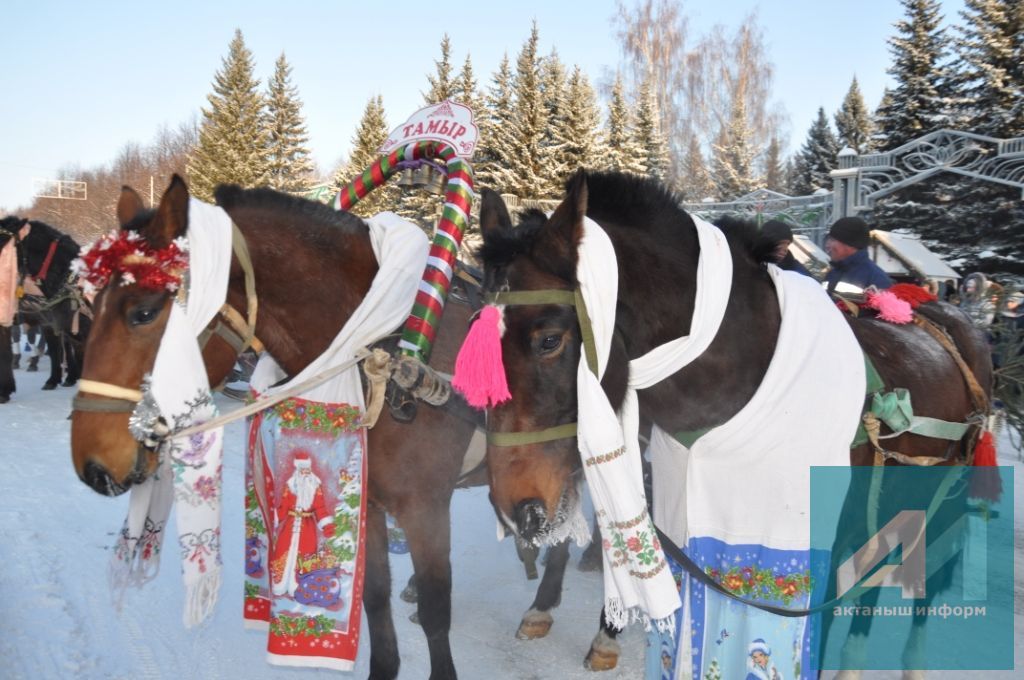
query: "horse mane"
231, 196
38, 241
632, 202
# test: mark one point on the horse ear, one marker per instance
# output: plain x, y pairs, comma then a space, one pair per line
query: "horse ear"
171, 219
129, 205
494, 217
566, 223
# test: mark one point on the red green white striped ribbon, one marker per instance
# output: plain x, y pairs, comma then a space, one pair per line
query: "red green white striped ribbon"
421, 326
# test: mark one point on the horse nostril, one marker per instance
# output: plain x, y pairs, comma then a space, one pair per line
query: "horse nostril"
529, 516
99, 480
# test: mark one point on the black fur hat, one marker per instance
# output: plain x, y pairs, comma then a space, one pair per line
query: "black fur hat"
853, 231
776, 230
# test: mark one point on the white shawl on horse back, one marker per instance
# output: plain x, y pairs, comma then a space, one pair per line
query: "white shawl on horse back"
747, 482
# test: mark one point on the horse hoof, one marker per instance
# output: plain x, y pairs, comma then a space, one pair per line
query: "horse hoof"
4, 398
415, 617
598, 660
590, 560
604, 653
535, 624
409, 593
50, 385
69, 382
32, 368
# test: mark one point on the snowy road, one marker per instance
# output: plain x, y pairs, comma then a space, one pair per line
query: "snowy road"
57, 620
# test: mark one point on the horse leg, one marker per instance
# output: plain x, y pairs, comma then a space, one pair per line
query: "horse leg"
384, 659
72, 353
591, 559
53, 349
537, 620
428, 530
7, 385
604, 649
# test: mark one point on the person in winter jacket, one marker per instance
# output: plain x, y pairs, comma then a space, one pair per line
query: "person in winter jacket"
846, 245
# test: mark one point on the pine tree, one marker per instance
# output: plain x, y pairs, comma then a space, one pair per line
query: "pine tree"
732, 157
991, 74
919, 102
493, 157
775, 168
291, 166
880, 122
465, 90
582, 144
853, 123
817, 158
441, 84
623, 153
372, 132
417, 204
528, 122
694, 180
650, 140
553, 165
233, 141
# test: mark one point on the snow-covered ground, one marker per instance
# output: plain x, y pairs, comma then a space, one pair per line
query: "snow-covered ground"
57, 619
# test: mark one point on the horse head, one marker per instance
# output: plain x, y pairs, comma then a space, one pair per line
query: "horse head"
128, 326
534, 477
48, 256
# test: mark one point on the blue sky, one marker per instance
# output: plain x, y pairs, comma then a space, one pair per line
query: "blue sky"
80, 79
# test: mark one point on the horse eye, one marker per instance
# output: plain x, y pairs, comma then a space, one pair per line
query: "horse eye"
550, 343
142, 316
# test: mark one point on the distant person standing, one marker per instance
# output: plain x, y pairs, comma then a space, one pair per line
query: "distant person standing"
846, 246
779, 233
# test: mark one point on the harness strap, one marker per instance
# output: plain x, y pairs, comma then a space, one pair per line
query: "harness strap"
978, 396
101, 404
45, 269
108, 390
566, 431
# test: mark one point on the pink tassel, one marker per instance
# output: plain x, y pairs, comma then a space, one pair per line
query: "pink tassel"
479, 372
890, 308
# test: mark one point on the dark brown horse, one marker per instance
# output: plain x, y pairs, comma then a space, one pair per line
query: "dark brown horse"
44, 256
312, 267
657, 250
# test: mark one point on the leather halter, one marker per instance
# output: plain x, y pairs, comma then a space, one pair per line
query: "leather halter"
571, 298
228, 324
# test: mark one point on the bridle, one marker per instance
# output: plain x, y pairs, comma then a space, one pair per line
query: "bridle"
551, 296
237, 331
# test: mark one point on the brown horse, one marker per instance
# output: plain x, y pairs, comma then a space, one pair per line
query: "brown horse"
657, 250
312, 267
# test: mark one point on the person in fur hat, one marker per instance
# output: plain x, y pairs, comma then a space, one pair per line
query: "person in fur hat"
846, 245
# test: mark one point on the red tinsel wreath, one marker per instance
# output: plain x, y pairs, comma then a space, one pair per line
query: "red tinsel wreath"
127, 253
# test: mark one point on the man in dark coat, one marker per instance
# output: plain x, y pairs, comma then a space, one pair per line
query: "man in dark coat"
779, 233
846, 245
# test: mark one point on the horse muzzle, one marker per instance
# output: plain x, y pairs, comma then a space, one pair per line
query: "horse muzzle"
99, 479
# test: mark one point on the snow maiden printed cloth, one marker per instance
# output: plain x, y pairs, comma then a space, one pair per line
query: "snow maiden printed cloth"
738, 500
306, 478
